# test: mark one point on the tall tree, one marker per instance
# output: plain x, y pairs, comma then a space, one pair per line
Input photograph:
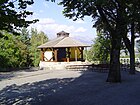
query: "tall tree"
25, 39
133, 22
111, 15
37, 38
21, 50
12, 52
13, 14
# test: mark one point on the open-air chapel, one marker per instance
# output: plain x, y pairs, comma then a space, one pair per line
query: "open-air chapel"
62, 50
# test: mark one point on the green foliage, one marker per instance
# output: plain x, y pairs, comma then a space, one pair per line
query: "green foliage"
23, 43
108, 15
113, 17
13, 14
100, 50
9, 51
21, 51
36, 40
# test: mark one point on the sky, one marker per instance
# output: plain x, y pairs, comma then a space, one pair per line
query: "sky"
52, 21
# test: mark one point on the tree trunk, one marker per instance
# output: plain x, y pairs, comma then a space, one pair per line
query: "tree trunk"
132, 62
114, 71
130, 46
132, 51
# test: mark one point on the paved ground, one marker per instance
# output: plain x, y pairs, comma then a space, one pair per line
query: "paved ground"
63, 87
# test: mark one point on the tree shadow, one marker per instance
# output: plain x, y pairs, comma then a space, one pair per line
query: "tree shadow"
88, 89
31, 93
6, 75
12, 72
39, 92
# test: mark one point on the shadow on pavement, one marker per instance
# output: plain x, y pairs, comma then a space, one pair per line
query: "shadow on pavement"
6, 75
88, 89
12, 72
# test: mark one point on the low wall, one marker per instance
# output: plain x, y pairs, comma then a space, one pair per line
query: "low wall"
59, 65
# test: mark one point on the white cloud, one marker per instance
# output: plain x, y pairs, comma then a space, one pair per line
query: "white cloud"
80, 29
51, 27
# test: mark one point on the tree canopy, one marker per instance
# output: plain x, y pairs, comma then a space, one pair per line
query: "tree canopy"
113, 17
21, 50
13, 14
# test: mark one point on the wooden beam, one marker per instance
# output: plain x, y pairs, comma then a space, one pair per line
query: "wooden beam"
42, 55
55, 55
68, 53
81, 52
82, 48
75, 54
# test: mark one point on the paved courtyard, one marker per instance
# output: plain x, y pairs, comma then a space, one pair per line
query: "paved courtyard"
61, 87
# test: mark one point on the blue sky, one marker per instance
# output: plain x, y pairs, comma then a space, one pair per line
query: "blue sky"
53, 21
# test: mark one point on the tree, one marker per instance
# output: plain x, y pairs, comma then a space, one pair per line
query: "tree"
109, 15
100, 49
11, 52
133, 23
21, 50
25, 39
37, 38
13, 15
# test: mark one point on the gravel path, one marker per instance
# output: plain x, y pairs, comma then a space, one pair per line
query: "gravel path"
23, 77
61, 87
